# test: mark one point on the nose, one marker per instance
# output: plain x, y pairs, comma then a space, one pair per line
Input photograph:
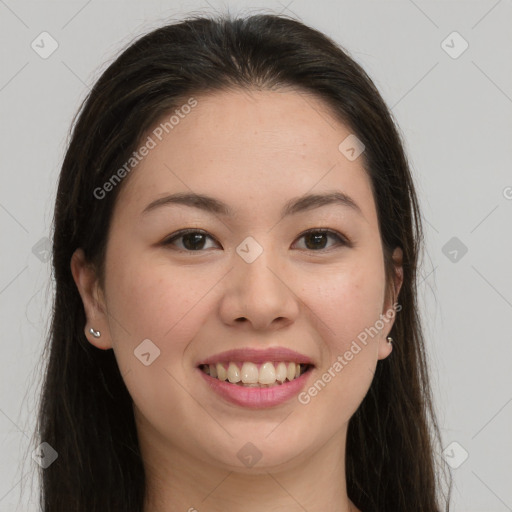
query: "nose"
260, 295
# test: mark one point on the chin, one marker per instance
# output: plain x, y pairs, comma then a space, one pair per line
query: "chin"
259, 457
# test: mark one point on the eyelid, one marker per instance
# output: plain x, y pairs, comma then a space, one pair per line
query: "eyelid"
182, 232
343, 240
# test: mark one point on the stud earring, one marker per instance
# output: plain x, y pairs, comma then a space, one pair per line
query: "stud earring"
390, 339
96, 334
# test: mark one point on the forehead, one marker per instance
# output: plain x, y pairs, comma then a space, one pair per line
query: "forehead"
249, 148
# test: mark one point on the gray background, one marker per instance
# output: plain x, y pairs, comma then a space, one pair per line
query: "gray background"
455, 115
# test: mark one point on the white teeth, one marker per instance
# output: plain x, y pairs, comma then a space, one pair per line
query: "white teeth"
222, 374
267, 374
247, 374
281, 372
233, 373
291, 371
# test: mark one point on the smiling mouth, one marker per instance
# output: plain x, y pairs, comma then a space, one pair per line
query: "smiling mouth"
252, 375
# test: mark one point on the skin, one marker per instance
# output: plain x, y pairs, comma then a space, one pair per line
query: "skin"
254, 150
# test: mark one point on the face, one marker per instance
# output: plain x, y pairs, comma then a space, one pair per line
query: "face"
303, 287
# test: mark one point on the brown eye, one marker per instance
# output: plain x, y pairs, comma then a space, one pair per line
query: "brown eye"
316, 239
192, 240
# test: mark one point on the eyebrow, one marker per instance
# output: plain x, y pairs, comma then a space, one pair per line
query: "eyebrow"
296, 205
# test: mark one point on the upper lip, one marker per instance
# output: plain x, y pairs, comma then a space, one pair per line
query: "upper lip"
258, 356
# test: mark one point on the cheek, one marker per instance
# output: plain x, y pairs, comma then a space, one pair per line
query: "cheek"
148, 296
349, 306
348, 301
152, 300
149, 301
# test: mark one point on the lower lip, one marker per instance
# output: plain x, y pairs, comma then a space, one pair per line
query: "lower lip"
256, 398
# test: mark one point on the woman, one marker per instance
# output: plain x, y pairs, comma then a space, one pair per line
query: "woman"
210, 349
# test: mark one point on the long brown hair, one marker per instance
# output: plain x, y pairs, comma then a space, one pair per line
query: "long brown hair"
85, 411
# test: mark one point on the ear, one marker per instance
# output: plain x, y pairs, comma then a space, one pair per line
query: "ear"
86, 280
389, 312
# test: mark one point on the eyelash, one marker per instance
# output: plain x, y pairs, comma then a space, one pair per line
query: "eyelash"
342, 241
